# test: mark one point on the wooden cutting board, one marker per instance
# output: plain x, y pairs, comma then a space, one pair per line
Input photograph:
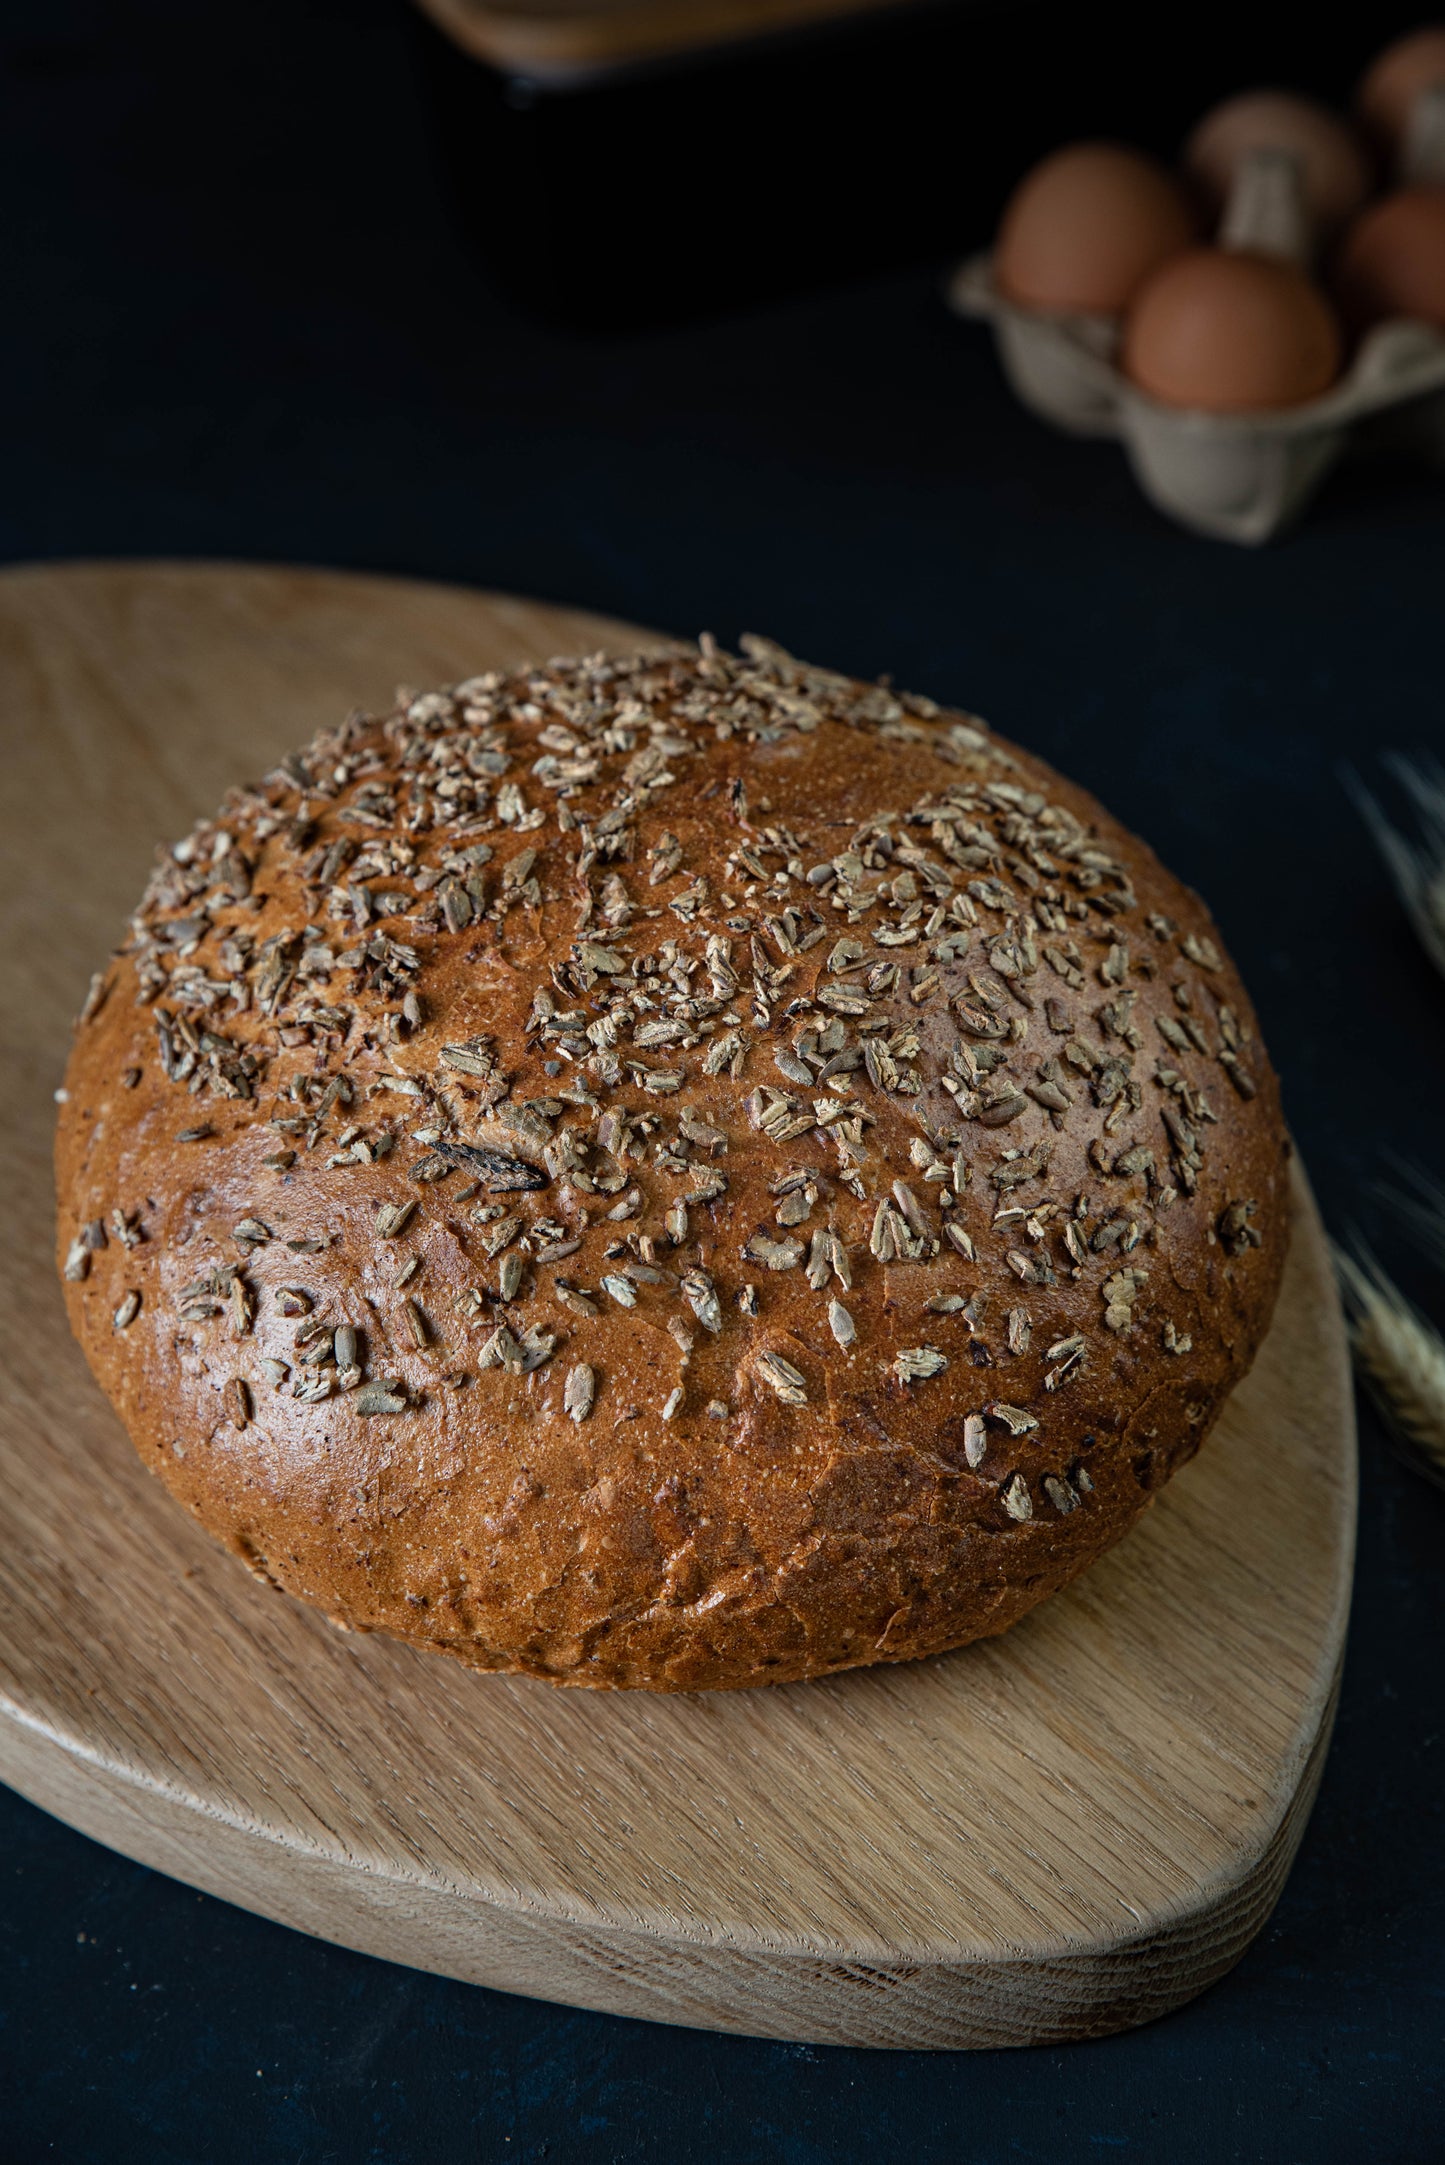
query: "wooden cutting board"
574, 41
1051, 1835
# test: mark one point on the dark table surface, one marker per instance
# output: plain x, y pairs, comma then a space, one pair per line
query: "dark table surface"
242, 321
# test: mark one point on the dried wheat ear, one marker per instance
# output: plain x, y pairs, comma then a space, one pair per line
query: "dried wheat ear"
1417, 867
1401, 1360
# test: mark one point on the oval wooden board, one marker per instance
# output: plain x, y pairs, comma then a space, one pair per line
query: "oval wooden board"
1052, 1835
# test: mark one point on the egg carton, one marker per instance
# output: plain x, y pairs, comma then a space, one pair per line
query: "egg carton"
1236, 477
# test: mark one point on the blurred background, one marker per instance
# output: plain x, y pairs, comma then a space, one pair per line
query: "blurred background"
746, 149
639, 308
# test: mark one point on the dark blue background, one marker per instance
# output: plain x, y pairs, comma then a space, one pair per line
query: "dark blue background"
241, 320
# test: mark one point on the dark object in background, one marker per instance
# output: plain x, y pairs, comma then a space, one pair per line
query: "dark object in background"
883, 139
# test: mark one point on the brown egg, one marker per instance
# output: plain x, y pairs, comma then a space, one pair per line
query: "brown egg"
1227, 333
1083, 230
1334, 168
1392, 260
1389, 88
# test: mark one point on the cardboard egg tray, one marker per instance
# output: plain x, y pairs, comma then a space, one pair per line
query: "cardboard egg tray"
1237, 477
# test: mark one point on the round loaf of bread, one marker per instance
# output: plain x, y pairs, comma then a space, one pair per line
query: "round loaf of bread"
680, 1172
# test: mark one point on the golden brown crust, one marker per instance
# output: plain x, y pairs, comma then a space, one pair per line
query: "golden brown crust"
682, 1173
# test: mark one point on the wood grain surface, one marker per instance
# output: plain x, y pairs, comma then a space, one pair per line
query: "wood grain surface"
1051, 1835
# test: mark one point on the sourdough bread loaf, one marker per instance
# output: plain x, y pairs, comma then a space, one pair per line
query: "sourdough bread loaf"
679, 1172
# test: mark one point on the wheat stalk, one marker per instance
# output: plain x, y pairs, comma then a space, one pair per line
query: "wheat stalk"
1401, 1359
1419, 1203
1418, 869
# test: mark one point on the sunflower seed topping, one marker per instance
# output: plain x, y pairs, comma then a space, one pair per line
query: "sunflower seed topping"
785, 1381
1119, 1294
701, 1297
1015, 1497
379, 1398
900, 1036
579, 1391
1060, 1495
1013, 1418
915, 1363
501, 1351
